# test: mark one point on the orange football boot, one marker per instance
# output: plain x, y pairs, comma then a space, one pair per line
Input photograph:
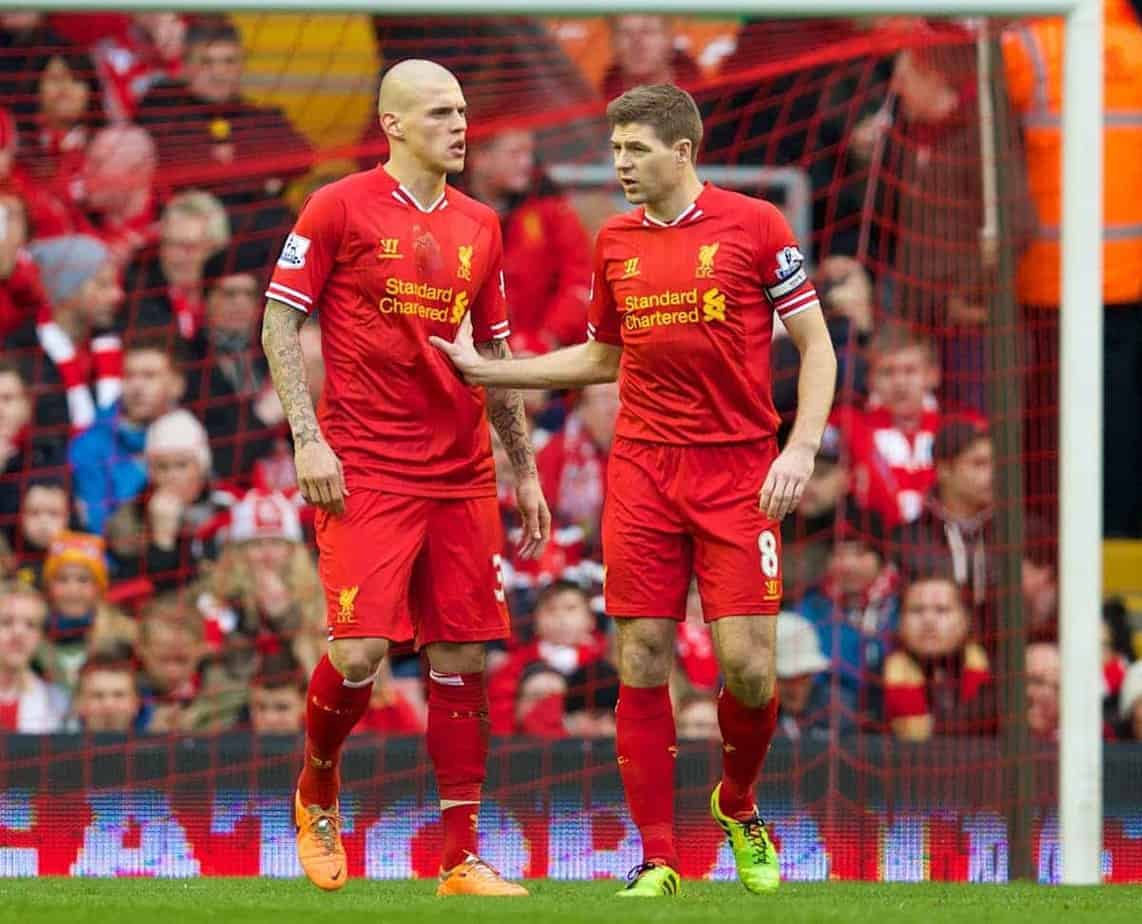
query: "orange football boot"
475, 877
319, 846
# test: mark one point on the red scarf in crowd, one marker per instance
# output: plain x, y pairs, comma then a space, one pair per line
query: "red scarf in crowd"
101, 356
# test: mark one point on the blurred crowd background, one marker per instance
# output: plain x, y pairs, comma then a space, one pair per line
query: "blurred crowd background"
158, 569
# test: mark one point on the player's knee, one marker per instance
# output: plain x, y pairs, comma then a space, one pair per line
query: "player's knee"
457, 657
357, 659
644, 665
750, 678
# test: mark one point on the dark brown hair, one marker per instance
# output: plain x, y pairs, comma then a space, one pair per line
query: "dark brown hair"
667, 109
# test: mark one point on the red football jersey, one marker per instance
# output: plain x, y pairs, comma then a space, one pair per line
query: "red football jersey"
892, 470
383, 273
691, 303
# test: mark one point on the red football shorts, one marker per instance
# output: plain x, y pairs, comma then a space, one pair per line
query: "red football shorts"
676, 511
406, 568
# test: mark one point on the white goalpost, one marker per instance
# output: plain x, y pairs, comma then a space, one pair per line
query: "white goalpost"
1081, 325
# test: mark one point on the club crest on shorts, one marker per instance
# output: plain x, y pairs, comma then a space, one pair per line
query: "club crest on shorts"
346, 600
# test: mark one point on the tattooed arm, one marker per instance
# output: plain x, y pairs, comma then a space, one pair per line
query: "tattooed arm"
506, 413
319, 474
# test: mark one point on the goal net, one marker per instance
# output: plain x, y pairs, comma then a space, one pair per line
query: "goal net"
162, 608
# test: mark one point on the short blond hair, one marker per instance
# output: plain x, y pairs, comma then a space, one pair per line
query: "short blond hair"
11, 589
196, 203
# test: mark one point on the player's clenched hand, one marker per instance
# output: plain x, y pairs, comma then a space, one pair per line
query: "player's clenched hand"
536, 517
786, 481
462, 350
320, 477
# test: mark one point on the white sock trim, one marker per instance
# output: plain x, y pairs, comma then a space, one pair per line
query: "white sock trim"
356, 685
452, 803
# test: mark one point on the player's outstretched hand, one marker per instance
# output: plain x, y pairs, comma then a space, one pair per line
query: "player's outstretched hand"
536, 517
462, 350
320, 477
786, 481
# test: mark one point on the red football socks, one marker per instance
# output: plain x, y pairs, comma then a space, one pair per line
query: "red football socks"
645, 742
746, 734
458, 745
333, 706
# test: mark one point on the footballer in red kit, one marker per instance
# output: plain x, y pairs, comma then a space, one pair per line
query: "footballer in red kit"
684, 295
385, 278
397, 456
692, 310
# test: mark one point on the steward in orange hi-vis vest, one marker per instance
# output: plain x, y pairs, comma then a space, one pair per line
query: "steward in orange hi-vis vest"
1033, 54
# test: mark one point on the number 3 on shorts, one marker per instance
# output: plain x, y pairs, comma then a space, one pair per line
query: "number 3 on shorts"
767, 546
498, 567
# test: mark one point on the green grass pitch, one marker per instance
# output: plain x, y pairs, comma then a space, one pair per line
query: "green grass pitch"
252, 901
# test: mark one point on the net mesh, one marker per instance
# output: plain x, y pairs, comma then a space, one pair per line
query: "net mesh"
155, 163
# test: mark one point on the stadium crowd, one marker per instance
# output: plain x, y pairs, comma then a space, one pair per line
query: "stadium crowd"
158, 574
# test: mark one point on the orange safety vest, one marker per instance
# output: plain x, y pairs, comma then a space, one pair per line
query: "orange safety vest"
1033, 55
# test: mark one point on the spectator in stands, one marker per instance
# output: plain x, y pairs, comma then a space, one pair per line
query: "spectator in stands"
167, 285
889, 441
131, 63
107, 697
55, 139
592, 695
44, 514
566, 639
232, 384
810, 529
397, 707
22, 295
277, 697
644, 53
547, 256
36, 208
27, 43
1039, 576
154, 535
955, 525
802, 690
855, 611
80, 620
28, 704
573, 464
22, 455
938, 682
538, 703
1043, 672
202, 119
846, 294
696, 716
546, 410
1130, 703
116, 186
169, 649
697, 664
944, 274
70, 356
264, 586
273, 470
108, 468
1115, 667
1033, 60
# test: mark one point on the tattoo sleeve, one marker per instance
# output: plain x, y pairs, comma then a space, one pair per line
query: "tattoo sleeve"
507, 415
280, 342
